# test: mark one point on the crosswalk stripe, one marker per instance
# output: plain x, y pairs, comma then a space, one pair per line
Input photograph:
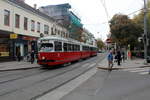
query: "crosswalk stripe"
131, 69
143, 73
139, 70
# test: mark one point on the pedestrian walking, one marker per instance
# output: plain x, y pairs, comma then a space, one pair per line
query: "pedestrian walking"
118, 57
32, 57
110, 60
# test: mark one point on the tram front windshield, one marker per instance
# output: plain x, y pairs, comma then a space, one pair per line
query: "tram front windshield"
46, 47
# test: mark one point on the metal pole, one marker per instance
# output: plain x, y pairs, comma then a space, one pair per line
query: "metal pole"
145, 31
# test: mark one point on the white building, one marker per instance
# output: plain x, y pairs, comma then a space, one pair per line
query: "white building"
21, 26
88, 37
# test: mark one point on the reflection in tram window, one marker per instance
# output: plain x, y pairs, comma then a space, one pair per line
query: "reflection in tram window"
46, 47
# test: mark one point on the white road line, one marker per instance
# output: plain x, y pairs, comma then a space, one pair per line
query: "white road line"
140, 70
143, 73
131, 69
67, 88
85, 65
93, 64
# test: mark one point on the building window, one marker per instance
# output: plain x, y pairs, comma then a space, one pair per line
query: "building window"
46, 29
52, 31
32, 25
38, 27
6, 17
55, 31
25, 23
17, 20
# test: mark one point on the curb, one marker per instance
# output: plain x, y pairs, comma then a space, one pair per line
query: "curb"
17, 69
105, 68
117, 68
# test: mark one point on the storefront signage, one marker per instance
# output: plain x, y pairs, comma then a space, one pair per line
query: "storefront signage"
29, 38
4, 54
13, 36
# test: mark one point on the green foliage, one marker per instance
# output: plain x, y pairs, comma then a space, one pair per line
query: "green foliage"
100, 44
124, 31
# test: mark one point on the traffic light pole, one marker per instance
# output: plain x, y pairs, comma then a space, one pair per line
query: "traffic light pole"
145, 31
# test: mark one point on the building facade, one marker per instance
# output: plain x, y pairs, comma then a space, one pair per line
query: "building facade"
66, 17
21, 26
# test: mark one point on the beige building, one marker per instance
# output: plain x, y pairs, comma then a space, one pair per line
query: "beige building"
21, 26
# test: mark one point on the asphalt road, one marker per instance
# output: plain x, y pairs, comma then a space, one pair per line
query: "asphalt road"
115, 85
33, 83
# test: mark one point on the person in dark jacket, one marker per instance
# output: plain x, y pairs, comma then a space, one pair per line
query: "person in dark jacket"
19, 56
32, 57
118, 57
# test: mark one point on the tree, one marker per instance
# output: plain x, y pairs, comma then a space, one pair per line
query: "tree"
100, 44
124, 31
139, 19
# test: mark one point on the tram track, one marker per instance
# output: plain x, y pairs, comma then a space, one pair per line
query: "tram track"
23, 75
33, 83
50, 90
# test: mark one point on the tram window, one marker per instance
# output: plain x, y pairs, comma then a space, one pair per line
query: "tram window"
78, 48
75, 48
46, 47
58, 46
69, 47
65, 47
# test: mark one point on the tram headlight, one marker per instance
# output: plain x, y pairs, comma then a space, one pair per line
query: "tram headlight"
43, 58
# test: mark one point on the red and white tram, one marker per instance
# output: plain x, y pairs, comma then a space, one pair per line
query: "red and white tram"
57, 50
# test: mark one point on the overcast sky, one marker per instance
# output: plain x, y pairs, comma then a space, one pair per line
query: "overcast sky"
92, 12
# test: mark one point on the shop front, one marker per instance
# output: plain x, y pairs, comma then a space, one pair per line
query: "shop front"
4, 46
24, 45
11, 44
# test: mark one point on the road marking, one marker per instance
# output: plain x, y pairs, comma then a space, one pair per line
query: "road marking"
67, 88
93, 64
131, 69
85, 65
143, 73
139, 70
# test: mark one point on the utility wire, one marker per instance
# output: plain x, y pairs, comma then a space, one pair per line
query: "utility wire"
105, 8
134, 12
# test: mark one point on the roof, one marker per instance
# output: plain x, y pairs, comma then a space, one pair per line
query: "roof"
27, 7
66, 5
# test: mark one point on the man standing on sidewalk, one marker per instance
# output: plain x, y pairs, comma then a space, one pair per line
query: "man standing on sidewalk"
32, 57
110, 60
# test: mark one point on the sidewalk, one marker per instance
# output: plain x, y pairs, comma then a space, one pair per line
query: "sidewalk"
134, 63
15, 65
92, 87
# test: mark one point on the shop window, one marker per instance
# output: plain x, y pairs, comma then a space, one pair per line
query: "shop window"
38, 27
17, 20
25, 23
32, 25
4, 51
6, 17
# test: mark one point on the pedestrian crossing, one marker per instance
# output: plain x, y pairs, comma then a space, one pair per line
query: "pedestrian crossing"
141, 71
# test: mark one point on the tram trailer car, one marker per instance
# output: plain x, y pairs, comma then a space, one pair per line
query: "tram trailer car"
56, 51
